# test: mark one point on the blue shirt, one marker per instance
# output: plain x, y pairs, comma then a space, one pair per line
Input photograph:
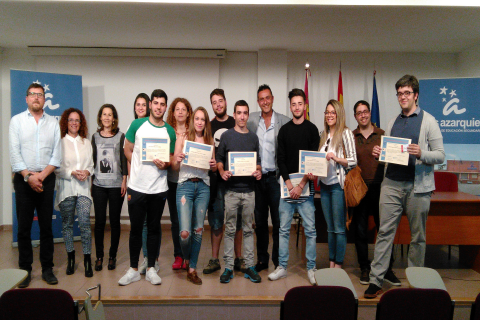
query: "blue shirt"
33, 146
266, 138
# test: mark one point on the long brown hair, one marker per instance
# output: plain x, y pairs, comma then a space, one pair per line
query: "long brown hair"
170, 117
336, 140
207, 131
82, 132
115, 118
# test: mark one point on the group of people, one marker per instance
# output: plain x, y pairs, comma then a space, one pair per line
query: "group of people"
41, 149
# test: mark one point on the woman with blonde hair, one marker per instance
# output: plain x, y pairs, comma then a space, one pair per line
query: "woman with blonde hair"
337, 141
193, 192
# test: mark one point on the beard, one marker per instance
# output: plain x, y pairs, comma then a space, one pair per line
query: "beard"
220, 115
298, 117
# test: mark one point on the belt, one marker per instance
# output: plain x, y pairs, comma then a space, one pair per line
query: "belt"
270, 173
195, 179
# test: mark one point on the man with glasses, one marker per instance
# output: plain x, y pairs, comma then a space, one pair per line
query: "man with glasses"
266, 124
35, 152
406, 188
367, 135
297, 134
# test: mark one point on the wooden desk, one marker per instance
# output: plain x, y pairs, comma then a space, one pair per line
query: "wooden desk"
454, 219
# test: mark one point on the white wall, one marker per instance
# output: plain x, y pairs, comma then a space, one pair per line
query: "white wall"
118, 80
469, 62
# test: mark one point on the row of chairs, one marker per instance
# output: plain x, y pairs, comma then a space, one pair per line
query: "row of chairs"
51, 304
335, 299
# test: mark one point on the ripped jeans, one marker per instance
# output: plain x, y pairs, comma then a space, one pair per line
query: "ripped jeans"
192, 203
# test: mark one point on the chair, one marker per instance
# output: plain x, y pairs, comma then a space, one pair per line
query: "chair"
334, 277
424, 278
319, 302
91, 312
415, 304
475, 315
33, 304
446, 181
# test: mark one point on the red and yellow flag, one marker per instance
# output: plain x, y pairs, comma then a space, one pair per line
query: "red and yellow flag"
340, 87
307, 104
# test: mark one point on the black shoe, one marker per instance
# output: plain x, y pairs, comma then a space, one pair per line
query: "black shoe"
365, 276
49, 277
87, 263
261, 266
391, 278
213, 265
226, 276
25, 283
239, 265
252, 275
112, 263
71, 262
99, 264
372, 292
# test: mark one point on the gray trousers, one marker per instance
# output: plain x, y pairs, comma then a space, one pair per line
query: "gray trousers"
396, 197
245, 203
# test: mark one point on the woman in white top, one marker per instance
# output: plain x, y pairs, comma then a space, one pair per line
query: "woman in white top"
193, 192
339, 144
73, 185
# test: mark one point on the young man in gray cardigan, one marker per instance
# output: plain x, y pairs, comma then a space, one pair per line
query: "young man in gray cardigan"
406, 188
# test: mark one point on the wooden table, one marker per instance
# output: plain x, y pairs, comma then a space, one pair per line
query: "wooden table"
453, 219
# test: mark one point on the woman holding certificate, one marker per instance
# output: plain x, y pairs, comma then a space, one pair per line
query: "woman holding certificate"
338, 143
193, 190
179, 115
73, 185
109, 186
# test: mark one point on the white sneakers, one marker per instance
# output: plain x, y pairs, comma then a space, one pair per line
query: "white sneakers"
129, 277
279, 273
153, 277
143, 267
311, 276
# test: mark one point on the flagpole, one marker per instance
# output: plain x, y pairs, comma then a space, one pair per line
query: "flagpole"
307, 105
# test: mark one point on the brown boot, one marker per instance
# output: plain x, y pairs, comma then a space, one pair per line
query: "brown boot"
193, 277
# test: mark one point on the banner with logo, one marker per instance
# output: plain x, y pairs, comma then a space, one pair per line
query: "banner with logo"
455, 104
62, 91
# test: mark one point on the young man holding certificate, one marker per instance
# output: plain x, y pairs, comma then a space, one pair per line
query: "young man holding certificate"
297, 134
238, 155
147, 138
406, 187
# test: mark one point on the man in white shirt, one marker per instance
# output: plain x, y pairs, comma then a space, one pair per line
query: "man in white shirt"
35, 152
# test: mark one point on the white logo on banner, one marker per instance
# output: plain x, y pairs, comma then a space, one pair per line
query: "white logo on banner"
48, 96
450, 106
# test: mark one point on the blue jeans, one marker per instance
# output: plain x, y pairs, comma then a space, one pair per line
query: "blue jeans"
307, 212
192, 203
334, 210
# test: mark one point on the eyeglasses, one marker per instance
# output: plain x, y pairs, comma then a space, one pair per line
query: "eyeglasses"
38, 94
328, 113
360, 113
403, 94
74, 120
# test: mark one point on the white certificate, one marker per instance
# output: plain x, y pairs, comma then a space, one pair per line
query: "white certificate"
242, 163
197, 155
313, 162
155, 148
295, 179
394, 150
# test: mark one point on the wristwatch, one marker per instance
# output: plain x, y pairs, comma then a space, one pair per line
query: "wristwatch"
26, 177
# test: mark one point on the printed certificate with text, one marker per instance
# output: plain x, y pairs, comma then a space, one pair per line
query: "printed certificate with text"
242, 163
155, 148
394, 150
313, 162
197, 155
295, 179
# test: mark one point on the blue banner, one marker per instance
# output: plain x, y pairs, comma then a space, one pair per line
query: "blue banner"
62, 91
455, 104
